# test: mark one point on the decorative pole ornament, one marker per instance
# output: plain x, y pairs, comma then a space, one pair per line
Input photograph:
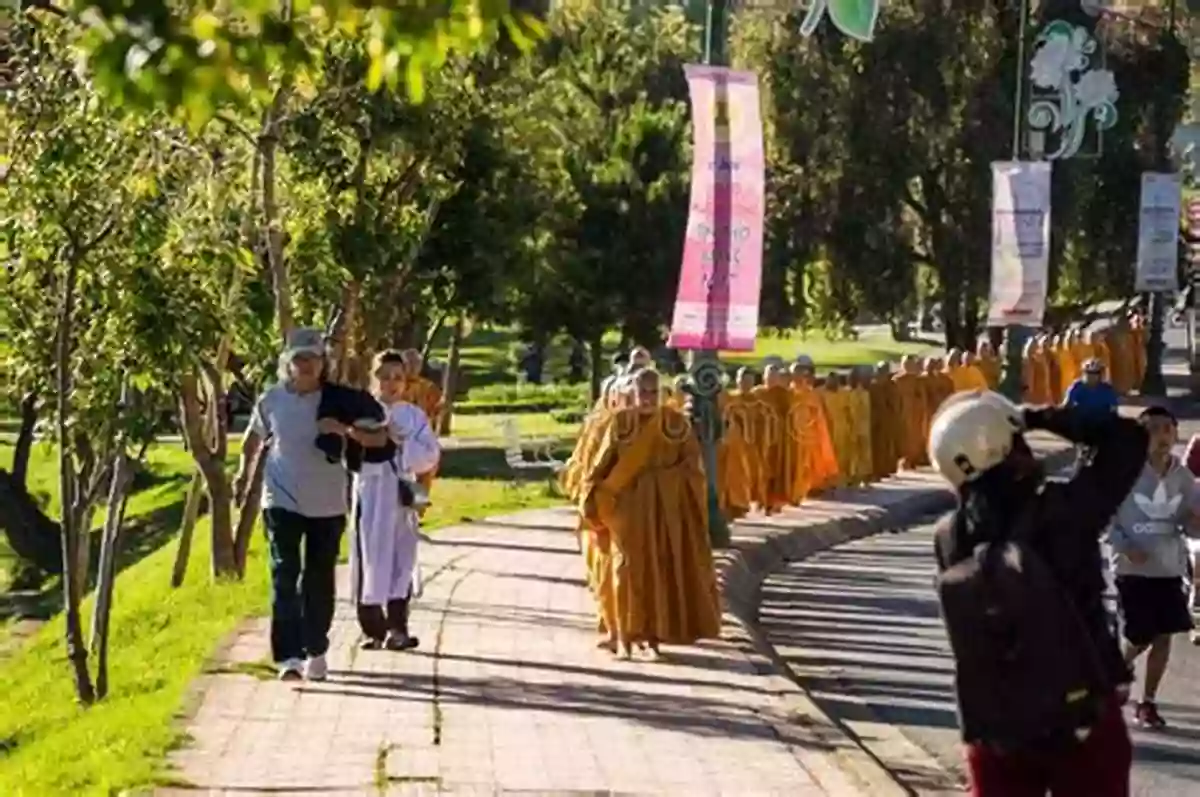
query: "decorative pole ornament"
1069, 87
854, 18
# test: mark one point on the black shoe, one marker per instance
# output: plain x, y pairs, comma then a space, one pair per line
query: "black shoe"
401, 642
370, 643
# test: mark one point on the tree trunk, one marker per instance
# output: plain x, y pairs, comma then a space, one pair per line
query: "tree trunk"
280, 281
187, 529
34, 537
23, 446
72, 514
450, 378
205, 437
596, 347
114, 518
248, 514
434, 331
216, 483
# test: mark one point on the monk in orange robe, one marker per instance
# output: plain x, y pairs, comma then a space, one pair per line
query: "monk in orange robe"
735, 480
835, 400
818, 468
862, 466
1081, 351
749, 413
645, 504
886, 423
1123, 364
938, 387
1137, 334
1068, 369
1050, 349
964, 373
989, 364
779, 442
1102, 351
1035, 375
912, 411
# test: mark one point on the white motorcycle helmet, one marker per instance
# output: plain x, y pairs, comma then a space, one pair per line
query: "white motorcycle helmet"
971, 433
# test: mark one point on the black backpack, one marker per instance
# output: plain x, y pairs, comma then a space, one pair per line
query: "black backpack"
1027, 672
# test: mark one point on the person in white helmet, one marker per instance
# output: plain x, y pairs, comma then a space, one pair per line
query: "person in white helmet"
1039, 673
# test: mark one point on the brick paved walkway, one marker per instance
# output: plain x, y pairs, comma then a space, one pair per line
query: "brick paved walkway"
507, 692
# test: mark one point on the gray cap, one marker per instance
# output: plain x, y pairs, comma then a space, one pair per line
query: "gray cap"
305, 340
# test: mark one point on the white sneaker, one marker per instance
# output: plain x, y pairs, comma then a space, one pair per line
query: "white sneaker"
291, 670
318, 669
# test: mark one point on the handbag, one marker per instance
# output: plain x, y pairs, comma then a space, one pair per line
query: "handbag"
413, 494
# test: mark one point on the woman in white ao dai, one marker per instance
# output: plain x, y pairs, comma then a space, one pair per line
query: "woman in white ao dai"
384, 573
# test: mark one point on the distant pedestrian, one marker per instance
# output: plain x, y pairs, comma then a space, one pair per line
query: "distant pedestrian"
1091, 392
1038, 667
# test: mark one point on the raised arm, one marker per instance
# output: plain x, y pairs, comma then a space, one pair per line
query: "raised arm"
1090, 499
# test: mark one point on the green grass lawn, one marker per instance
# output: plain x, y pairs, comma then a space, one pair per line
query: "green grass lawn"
162, 638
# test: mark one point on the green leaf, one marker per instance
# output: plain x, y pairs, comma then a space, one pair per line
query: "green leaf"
855, 18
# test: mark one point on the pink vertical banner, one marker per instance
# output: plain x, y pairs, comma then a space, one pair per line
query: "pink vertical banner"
721, 278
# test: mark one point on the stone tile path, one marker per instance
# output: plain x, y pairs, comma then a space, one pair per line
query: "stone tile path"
507, 692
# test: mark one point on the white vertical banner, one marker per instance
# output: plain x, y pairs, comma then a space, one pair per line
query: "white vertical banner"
1020, 243
1158, 232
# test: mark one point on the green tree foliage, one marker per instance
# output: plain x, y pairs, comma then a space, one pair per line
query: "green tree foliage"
197, 58
881, 158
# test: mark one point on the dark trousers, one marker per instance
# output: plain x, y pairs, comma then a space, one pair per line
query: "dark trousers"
304, 553
377, 621
1097, 767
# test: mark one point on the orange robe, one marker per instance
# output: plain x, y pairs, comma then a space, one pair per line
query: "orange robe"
938, 388
810, 437
967, 377
747, 412
839, 413
990, 366
779, 446
645, 504
886, 430
735, 480
862, 465
913, 417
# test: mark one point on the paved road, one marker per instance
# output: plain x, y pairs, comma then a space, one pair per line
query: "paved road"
859, 624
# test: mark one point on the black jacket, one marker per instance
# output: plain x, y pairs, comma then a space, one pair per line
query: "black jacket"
347, 405
1071, 515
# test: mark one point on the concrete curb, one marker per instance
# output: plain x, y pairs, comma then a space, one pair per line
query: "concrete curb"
837, 761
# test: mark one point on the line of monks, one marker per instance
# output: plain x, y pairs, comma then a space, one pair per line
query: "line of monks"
637, 476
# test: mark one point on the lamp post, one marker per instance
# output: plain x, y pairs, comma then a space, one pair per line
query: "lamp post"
1153, 383
1070, 90
1014, 334
707, 378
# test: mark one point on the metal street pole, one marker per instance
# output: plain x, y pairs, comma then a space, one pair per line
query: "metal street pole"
1153, 383
705, 368
1014, 334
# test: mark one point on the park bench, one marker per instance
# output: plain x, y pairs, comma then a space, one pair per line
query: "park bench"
542, 458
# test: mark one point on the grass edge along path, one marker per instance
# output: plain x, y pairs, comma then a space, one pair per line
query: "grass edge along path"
162, 640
